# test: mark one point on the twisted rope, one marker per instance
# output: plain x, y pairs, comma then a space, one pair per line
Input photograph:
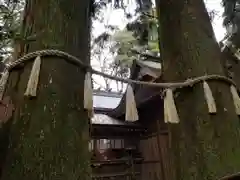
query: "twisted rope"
233, 176
77, 61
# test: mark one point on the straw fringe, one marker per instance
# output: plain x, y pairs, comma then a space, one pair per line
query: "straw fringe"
88, 94
170, 110
131, 108
209, 98
32, 85
3, 83
236, 99
166, 111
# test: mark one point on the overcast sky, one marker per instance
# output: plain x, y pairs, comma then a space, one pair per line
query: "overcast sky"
116, 17
217, 23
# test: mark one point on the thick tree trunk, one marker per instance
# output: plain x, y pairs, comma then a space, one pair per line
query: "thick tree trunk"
203, 146
49, 134
230, 62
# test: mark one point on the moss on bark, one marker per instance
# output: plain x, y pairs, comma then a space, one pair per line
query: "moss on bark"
203, 146
49, 134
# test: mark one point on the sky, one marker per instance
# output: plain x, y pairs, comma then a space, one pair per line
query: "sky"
218, 20
117, 18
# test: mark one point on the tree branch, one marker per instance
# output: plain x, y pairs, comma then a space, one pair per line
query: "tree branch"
145, 55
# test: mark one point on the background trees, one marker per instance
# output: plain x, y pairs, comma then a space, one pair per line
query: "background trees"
111, 47
10, 20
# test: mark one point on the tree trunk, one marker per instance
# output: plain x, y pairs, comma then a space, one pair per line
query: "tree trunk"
231, 63
49, 134
203, 146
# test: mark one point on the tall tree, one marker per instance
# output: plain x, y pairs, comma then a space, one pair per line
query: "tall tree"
232, 25
10, 15
203, 146
49, 134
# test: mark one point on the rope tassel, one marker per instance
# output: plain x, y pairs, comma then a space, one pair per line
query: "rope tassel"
209, 98
170, 110
32, 85
236, 99
131, 108
3, 83
88, 94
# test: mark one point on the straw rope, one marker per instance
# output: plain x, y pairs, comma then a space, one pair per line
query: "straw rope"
88, 68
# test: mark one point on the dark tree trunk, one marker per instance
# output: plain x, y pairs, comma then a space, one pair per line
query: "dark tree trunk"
49, 134
230, 62
231, 65
203, 146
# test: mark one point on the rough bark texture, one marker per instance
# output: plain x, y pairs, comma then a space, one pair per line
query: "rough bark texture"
203, 146
49, 134
230, 62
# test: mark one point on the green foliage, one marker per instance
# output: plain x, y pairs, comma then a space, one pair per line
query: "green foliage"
142, 34
97, 5
10, 14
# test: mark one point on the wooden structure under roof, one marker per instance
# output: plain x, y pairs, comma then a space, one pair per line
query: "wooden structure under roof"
145, 150
114, 148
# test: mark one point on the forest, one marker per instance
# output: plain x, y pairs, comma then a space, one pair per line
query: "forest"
119, 89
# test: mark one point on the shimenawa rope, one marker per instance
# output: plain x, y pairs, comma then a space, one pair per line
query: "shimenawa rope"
170, 110
75, 60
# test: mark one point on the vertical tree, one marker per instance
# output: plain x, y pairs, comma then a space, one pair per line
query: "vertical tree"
232, 24
203, 146
49, 134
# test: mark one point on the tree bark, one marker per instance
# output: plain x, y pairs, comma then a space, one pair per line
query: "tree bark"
49, 134
203, 146
230, 62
